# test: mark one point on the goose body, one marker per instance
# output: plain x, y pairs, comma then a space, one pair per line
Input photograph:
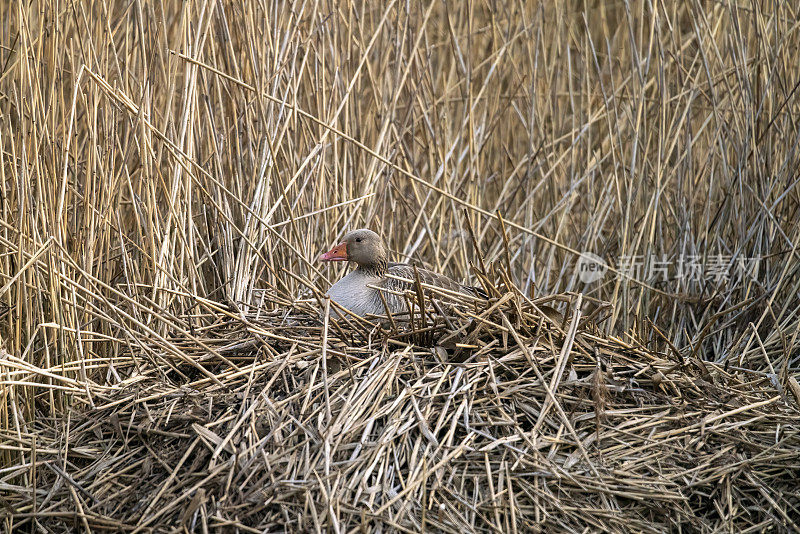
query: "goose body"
360, 290
353, 292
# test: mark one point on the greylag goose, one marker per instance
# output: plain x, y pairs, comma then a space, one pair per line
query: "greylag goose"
360, 290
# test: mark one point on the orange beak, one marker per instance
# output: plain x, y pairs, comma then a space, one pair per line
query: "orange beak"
337, 253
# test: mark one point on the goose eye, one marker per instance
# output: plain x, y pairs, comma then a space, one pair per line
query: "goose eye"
358, 240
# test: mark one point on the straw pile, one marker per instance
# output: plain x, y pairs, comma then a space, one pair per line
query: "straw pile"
514, 422
171, 171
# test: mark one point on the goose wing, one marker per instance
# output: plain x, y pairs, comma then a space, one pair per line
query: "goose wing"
400, 278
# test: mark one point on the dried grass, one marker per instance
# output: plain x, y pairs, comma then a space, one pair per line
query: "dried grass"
170, 171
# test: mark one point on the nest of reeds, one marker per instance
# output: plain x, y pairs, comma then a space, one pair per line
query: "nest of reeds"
505, 415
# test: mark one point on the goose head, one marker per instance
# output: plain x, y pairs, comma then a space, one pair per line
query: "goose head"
362, 247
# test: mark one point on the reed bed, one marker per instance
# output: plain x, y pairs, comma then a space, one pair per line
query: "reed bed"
171, 171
